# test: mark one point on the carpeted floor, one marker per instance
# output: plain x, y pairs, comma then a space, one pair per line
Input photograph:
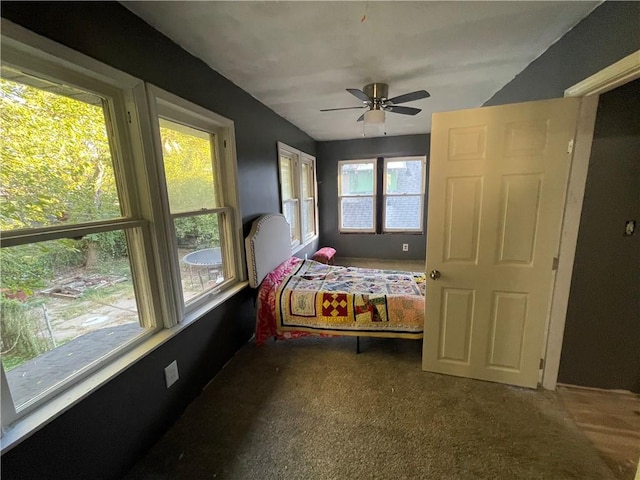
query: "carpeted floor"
313, 409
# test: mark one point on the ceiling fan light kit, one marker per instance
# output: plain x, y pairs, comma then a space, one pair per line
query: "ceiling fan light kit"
373, 123
374, 97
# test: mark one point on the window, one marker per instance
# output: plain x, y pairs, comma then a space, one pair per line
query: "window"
400, 206
73, 240
357, 195
298, 193
203, 213
403, 194
119, 216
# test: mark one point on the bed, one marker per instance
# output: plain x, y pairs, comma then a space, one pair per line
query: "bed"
297, 297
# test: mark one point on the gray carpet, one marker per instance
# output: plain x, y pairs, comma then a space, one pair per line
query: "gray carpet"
313, 409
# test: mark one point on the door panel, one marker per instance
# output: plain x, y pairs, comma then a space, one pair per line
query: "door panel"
519, 219
497, 186
526, 138
462, 219
467, 143
455, 324
509, 315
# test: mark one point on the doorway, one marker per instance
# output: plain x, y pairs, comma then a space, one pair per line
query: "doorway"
602, 330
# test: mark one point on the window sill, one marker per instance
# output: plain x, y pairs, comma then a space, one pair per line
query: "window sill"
364, 232
302, 246
26, 426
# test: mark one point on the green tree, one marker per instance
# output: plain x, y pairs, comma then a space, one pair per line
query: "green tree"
188, 166
56, 160
56, 168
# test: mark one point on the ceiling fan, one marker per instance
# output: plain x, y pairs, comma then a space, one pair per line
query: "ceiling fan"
374, 97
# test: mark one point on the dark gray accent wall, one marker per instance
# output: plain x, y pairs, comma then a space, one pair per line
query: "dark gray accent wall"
601, 338
365, 245
103, 435
605, 36
601, 345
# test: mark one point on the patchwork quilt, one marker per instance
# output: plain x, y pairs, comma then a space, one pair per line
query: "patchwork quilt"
326, 299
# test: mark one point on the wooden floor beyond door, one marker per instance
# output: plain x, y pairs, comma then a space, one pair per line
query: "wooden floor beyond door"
611, 420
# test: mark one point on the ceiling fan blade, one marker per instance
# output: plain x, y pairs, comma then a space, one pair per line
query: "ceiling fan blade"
402, 110
360, 118
409, 97
359, 94
341, 108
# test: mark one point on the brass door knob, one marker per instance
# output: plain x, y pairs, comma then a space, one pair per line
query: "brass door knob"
435, 274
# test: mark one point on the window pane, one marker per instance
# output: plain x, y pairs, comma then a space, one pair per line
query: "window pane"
199, 248
356, 178
357, 213
305, 181
286, 178
290, 212
188, 167
403, 212
64, 305
308, 220
56, 161
404, 177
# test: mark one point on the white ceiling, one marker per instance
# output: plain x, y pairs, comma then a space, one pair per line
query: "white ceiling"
298, 57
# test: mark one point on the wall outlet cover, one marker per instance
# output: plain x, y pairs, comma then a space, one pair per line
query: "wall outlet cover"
405, 247
171, 375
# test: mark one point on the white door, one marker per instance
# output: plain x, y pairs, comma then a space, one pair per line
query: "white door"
497, 186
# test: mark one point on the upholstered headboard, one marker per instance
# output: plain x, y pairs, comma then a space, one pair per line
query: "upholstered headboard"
267, 245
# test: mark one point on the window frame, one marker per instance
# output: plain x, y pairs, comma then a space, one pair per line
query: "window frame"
373, 196
298, 158
310, 162
421, 195
163, 104
379, 197
296, 229
118, 97
146, 214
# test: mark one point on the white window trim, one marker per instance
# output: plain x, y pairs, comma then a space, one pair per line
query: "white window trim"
135, 125
133, 222
313, 184
294, 200
373, 196
385, 195
167, 105
298, 157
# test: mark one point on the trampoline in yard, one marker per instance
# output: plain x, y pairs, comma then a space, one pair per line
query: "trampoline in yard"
207, 260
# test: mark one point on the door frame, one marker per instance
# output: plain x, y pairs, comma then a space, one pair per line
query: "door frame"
619, 73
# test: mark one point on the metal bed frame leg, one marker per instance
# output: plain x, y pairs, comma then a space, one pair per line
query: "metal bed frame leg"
357, 345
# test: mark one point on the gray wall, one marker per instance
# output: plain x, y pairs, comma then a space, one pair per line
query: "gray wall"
102, 436
602, 334
608, 34
386, 245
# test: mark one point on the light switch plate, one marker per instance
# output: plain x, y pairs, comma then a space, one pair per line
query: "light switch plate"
629, 228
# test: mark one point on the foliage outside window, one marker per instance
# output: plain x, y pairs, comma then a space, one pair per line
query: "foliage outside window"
356, 195
67, 296
93, 246
189, 161
399, 207
298, 195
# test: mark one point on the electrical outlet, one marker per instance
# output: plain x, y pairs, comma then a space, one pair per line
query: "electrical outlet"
171, 373
405, 247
